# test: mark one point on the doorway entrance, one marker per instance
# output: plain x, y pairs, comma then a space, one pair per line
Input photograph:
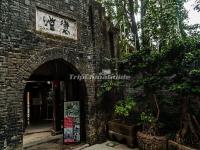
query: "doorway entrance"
47, 90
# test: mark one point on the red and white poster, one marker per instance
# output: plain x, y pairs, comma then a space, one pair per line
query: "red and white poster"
71, 122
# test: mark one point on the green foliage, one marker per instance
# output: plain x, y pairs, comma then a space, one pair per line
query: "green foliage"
175, 69
173, 72
161, 23
187, 70
147, 118
169, 56
149, 123
119, 13
181, 88
124, 107
107, 86
197, 6
195, 73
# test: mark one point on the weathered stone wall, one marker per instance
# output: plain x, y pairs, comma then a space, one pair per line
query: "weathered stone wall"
23, 49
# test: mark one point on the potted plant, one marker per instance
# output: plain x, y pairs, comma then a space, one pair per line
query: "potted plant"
150, 138
122, 128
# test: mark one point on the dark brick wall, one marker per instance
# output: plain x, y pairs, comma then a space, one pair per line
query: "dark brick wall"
22, 50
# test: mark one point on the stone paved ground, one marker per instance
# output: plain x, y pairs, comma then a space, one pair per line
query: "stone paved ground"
57, 145
44, 141
53, 145
109, 145
35, 137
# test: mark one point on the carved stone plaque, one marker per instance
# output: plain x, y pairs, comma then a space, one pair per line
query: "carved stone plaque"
56, 25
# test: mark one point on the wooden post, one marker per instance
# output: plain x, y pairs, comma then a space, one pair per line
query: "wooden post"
56, 108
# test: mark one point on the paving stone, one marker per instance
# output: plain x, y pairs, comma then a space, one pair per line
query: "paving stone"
110, 145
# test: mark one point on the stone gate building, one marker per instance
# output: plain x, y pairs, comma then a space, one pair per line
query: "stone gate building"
73, 35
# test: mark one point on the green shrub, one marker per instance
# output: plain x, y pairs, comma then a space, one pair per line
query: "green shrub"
124, 107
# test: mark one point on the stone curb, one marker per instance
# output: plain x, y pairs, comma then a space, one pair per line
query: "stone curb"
82, 147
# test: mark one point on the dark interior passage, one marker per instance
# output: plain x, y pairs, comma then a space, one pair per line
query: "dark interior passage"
46, 91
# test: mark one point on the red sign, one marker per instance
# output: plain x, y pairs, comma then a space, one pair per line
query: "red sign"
68, 122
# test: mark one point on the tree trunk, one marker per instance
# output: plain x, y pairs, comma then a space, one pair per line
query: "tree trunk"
134, 28
189, 125
157, 107
184, 119
145, 39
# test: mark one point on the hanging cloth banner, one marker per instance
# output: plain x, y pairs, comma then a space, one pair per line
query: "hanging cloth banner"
71, 122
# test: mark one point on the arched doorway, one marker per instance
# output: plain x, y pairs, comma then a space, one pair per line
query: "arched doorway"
47, 90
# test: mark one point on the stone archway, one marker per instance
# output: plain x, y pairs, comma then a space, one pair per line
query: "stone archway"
44, 112
24, 73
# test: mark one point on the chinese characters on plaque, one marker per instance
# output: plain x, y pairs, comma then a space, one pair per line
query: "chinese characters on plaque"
56, 25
